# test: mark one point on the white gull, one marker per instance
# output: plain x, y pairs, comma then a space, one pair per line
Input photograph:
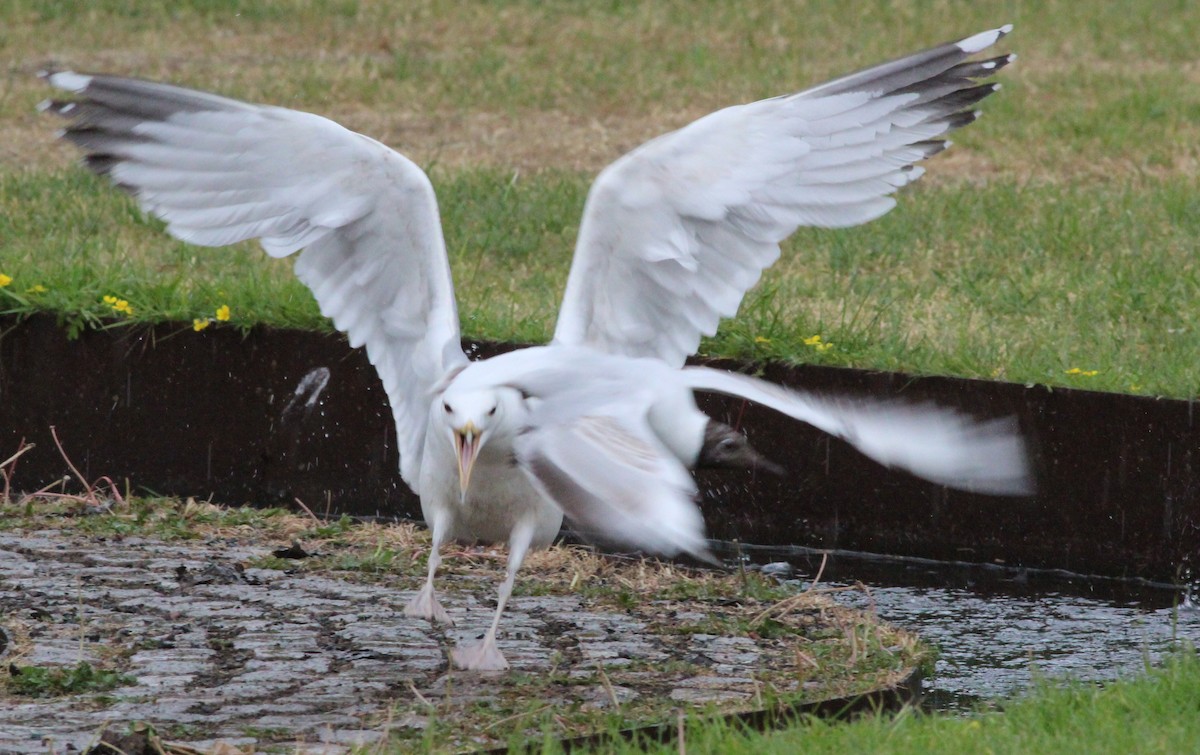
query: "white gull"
601, 423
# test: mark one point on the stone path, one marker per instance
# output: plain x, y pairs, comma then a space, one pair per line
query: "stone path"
266, 659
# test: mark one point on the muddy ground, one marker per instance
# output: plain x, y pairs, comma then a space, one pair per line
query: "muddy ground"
221, 643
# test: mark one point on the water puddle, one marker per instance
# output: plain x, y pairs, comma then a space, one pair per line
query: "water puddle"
993, 644
1000, 628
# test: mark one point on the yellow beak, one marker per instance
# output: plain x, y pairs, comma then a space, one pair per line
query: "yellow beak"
467, 440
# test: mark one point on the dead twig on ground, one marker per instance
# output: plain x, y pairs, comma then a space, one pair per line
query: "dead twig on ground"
43, 492
89, 497
308, 511
517, 716
8, 468
612, 693
787, 604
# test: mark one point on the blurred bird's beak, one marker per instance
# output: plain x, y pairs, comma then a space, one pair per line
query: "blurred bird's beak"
758, 461
467, 440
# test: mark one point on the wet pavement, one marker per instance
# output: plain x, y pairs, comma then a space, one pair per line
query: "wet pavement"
279, 661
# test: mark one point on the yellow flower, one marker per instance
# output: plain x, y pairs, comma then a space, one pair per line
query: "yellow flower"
223, 313
761, 339
118, 305
1083, 373
5, 280
36, 289
199, 325
818, 343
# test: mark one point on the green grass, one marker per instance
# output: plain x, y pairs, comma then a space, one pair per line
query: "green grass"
55, 681
1010, 281
155, 516
1057, 235
1153, 713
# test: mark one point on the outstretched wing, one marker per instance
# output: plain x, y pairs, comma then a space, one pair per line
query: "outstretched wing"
219, 171
675, 232
934, 442
593, 453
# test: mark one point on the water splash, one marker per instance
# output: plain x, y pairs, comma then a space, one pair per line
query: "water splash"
1187, 605
308, 391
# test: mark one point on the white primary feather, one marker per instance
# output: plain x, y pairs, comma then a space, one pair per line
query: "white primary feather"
675, 232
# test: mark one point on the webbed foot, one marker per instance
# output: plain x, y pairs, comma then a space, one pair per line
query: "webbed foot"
479, 656
425, 605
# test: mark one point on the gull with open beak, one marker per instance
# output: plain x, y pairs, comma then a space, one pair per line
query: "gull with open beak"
467, 440
673, 234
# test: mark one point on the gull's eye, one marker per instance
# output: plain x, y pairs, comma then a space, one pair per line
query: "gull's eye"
492, 412
446, 407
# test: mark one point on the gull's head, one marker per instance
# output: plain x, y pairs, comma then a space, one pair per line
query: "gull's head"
478, 418
727, 448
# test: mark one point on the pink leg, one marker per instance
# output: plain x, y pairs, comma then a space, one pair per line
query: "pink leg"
485, 655
425, 604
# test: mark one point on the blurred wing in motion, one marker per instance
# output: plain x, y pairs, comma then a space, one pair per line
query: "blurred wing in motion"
675, 232
934, 442
596, 457
219, 171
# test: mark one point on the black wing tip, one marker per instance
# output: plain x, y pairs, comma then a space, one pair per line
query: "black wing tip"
968, 96
100, 163
61, 108
932, 147
965, 118
1001, 61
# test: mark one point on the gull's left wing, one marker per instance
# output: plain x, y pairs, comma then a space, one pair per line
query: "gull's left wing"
219, 171
675, 232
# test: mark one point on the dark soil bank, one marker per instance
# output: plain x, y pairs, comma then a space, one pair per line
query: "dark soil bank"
277, 415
